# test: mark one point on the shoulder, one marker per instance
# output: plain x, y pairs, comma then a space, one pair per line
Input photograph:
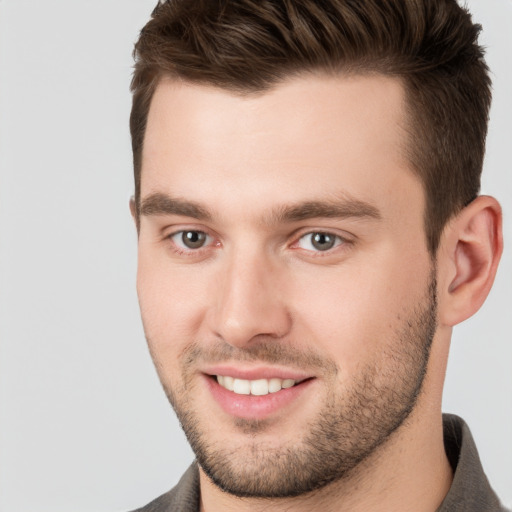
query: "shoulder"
184, 497
470, 490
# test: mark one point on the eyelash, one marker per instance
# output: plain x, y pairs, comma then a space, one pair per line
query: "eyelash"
338, 241
187, 251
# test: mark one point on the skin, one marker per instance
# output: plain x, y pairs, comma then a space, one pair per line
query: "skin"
258, 282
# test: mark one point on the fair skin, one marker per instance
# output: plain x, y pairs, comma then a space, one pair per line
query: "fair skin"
262, 287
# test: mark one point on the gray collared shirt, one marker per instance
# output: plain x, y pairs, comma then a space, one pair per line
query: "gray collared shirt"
470, 490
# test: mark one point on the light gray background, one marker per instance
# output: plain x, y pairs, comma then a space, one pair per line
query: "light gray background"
84, 425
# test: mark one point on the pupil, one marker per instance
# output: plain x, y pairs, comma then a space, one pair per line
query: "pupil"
193, 239
323, 241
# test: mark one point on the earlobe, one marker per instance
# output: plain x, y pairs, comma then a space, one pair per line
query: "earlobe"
471, 249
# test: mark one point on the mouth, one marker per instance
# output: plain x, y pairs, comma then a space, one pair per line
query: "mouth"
257, 394
257, 387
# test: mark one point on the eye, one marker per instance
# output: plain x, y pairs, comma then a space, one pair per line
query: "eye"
190, 239
319, 241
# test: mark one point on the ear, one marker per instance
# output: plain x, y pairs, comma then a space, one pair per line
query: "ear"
133, 211
468, 257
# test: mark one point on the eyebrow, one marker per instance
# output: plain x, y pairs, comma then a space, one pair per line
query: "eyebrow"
347, 207
344, 208
162, 204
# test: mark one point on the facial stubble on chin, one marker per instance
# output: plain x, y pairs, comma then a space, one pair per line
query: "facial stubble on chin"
350, 427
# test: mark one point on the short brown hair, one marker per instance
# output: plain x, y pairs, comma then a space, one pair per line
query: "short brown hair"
249, 46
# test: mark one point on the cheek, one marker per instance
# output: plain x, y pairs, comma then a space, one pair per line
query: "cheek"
171, 304
354, 312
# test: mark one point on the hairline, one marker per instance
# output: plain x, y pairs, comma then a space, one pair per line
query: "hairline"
346, 70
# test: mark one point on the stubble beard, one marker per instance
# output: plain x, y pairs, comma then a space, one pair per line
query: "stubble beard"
351, 426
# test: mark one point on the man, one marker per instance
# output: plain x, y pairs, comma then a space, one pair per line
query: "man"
310, 231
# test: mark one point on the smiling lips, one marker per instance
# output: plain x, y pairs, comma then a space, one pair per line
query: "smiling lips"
260, 394
258, 387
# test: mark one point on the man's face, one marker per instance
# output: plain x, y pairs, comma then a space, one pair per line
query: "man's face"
286, 291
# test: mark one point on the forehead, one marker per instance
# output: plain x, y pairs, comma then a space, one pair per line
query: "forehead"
309, 136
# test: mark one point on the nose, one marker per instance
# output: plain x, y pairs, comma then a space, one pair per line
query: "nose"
250, 302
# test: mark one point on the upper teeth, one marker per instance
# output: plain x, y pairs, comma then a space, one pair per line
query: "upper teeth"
254, 387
